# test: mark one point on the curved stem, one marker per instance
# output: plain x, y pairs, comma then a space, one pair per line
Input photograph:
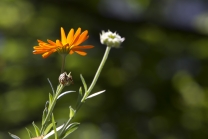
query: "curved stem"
97, 73
89, 89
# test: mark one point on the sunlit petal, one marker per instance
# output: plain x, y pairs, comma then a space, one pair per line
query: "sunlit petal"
81, 38
76, 35
58, 43
51, 42
81, 53
70, 36
45, 55
63, 37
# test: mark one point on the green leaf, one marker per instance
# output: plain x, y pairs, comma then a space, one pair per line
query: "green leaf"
71, 128
64, 93
51, 86
37, 130
48, 128
71, 112
50, 99
83, 82
14, 136
54, 127
95, 94
44, 115
30, 133
79, 97
52, 132
80, 91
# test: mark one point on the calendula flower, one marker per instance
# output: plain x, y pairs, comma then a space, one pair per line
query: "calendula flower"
67, 45
111, 39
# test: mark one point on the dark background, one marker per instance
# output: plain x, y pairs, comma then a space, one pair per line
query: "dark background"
156, 83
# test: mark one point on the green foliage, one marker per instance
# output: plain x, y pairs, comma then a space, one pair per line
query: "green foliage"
64, 93
71, 112
84, 83
30, 133
48, 128
45, 111
14, 136
71, 128
51, 86
50, 100
37, 130
54, 127
95, 94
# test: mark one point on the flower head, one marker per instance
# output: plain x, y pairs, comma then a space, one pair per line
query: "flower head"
111, 39
67, 45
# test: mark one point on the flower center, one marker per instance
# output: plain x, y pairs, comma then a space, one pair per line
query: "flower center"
112, 36
63, 50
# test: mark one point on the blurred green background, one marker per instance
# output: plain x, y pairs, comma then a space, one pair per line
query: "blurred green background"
156, 84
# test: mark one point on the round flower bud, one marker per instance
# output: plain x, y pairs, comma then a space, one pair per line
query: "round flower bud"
111, 39
65, 79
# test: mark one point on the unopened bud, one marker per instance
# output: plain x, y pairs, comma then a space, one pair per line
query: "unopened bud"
65, 79
111, 39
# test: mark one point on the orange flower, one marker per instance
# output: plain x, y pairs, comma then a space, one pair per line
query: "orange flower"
67, 45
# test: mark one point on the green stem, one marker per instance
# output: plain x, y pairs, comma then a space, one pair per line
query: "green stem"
67, 123
51, 107
97, 73
90, 88
63, 62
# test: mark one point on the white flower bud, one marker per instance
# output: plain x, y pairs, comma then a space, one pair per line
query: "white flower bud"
111, 39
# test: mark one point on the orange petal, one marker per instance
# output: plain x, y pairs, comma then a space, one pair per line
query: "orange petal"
38, 51
71, 52
76, 35
45, 55
70, 36
63, 36
51, 42
40, 41
81, 38
36, 47
83, 47
81, 53
58, 43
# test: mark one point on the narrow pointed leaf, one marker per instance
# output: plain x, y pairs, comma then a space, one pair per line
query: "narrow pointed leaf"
52, 132
71, 128
80, 91
14, 136
79, 97
48, 128
44, 115
95, 94
51, 86
67, 92
37, 130
83, 82
71, 113
29, 133
47, 104
50, 99
54, 127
